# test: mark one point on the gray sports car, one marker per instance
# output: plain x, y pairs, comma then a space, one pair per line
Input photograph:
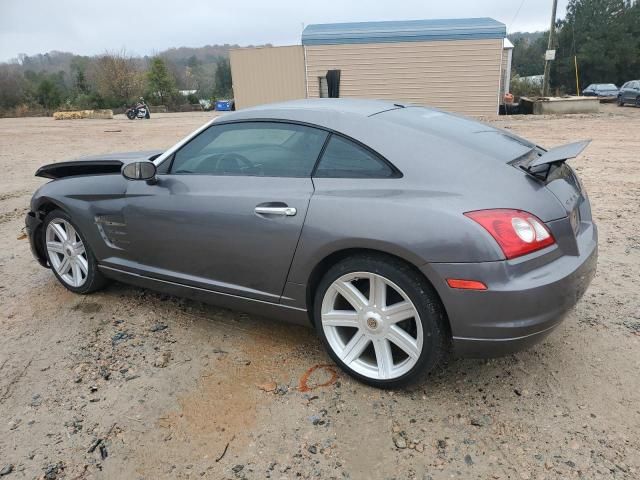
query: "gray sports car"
396, 231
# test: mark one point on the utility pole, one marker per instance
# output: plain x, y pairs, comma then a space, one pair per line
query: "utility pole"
552, 38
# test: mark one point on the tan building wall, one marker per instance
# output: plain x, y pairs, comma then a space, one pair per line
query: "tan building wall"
267, 74
459, 75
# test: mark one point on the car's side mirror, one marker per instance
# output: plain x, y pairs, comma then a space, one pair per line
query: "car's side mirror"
140, 171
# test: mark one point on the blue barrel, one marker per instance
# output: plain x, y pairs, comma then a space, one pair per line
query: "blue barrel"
223, 105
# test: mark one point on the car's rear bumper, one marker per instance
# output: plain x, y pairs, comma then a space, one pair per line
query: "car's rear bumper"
524, 301
33, 224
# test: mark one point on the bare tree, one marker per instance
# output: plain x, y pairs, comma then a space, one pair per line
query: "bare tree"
118, 77
11, 86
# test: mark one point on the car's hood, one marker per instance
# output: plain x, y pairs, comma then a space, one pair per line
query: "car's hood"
105, 164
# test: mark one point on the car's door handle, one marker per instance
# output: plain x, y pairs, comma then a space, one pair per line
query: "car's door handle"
284, 211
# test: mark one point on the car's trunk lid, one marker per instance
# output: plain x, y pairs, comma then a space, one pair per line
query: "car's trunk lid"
470, 147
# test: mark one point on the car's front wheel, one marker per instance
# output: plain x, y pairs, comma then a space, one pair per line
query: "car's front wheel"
620, 101
69, 255
380, 320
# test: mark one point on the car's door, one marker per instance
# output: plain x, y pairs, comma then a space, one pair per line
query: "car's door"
634, 91
628, 92
623, 91
228, 212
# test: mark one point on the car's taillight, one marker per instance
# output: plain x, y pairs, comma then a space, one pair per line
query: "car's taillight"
516, 232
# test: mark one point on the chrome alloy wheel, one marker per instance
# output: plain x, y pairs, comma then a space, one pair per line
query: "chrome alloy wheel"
372, 325
66, 252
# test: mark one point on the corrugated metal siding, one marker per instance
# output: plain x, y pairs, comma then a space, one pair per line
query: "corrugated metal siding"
266, 75
403, 31
460, 75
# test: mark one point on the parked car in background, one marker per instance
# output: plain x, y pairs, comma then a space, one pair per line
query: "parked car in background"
630, 93
394, 230
601, 90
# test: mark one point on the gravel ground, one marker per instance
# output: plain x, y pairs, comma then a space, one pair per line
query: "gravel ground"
129, 384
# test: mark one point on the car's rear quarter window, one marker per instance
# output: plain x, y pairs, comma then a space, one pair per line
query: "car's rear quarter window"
343, 158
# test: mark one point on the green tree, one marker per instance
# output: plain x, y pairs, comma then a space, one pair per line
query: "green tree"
159, 81
528, 53
604, 35
48, 93
223, 85
78, 69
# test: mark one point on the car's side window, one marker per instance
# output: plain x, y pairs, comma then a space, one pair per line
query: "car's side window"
343, 158
269, 149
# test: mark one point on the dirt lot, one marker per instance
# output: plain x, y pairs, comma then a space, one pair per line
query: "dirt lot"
131, 384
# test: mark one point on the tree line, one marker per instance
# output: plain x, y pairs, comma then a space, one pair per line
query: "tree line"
602, 35
59, 80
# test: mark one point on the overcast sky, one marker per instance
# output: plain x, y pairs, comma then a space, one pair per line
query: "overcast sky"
93, 26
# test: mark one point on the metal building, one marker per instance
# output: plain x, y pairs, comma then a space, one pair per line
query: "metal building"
460, 65
267, 75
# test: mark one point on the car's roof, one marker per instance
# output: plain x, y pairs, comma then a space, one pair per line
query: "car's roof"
383, 125
321, 107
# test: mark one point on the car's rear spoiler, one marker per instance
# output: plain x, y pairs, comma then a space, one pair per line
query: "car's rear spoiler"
560, 154
554, 156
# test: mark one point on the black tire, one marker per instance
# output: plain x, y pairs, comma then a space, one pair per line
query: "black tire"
620, 102
131, 115
94, 280
420, 292
638, 102
147, 115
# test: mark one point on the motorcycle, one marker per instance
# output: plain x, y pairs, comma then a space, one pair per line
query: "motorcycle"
140, 110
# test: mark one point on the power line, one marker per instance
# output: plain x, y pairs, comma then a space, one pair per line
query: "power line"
516, 15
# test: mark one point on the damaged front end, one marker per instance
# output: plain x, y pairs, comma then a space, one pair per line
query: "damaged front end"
109, 164
57, 194
75, 168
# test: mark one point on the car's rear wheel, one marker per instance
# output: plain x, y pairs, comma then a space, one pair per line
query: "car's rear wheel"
380, 320
69, 255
